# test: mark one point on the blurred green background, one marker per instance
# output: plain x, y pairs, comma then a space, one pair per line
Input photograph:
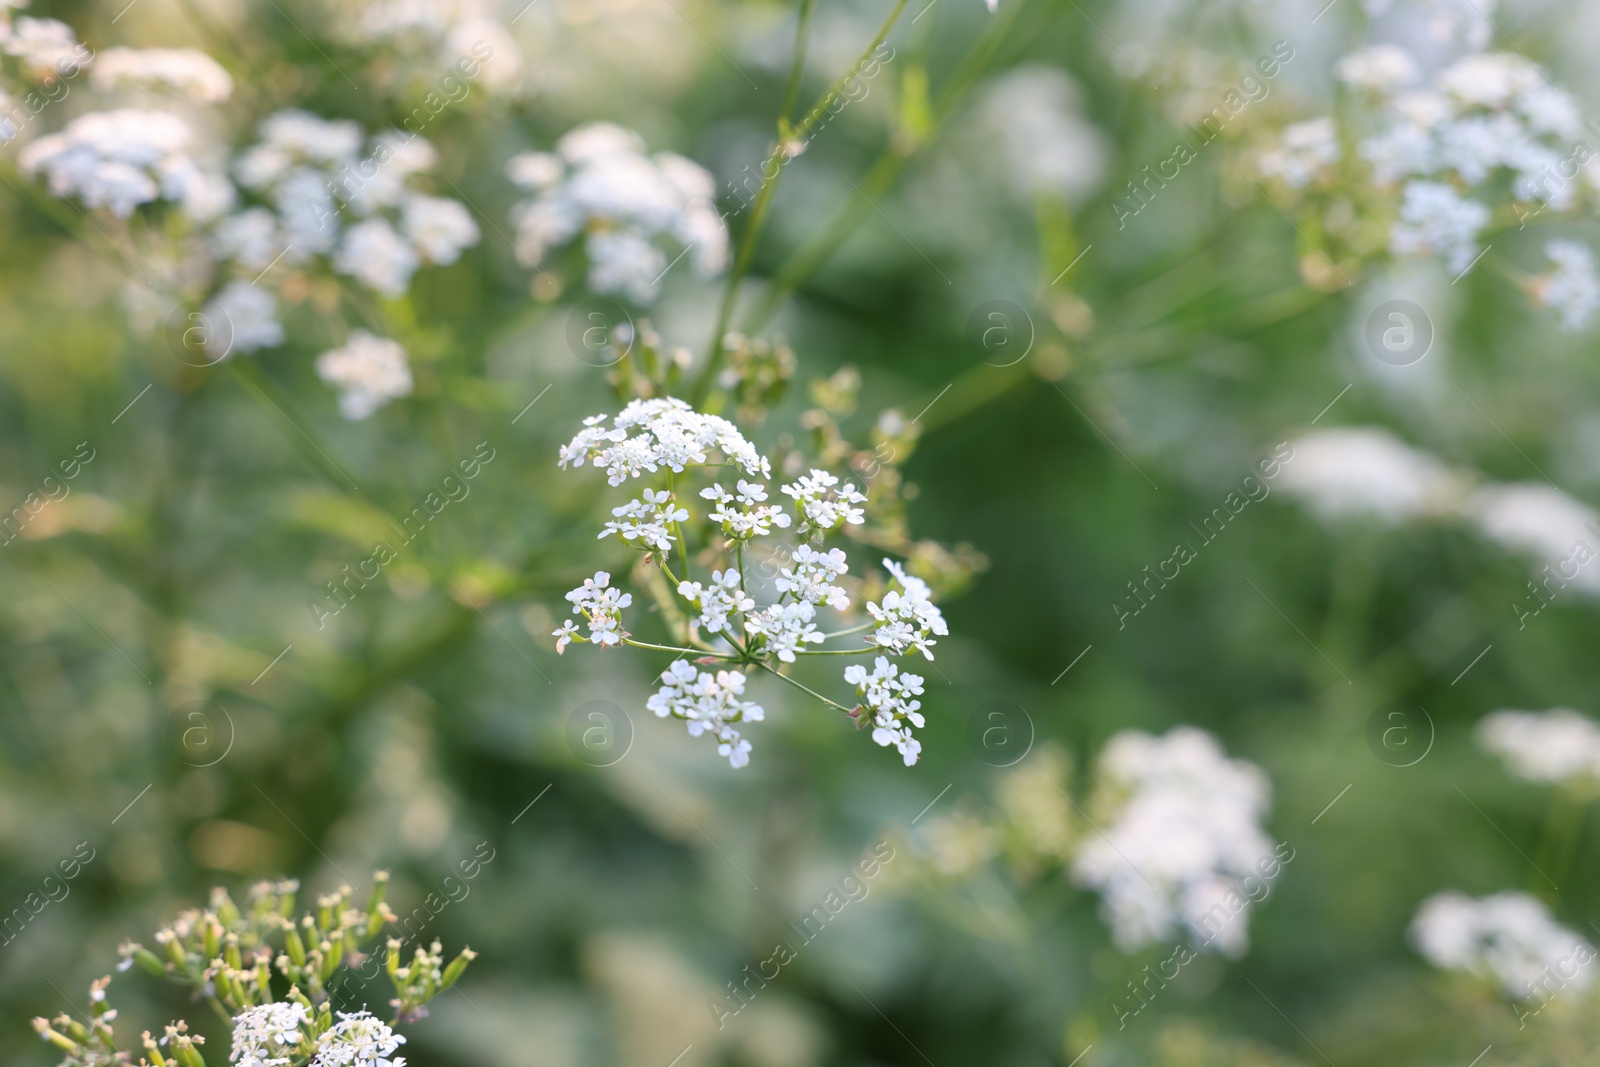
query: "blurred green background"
169, 699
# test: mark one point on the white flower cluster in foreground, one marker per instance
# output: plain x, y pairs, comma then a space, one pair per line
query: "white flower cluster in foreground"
1509, 937
267, 1035
359, 1039
1366, 473
722, 623
121, 159
1183, 848
630, 208
369, 371
1555, 747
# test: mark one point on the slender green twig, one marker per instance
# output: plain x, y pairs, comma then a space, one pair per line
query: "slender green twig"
769, 186
837, 651
808, 689
852, 630
801, 34
680, 651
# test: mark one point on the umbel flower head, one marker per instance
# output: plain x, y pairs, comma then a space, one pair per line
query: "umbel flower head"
717, 618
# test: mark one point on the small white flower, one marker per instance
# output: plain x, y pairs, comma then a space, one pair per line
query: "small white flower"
811, 577
1552, 747
824, 506
888, 694
1305, 151
268, 1035
1437, 220
1573, 288
1509, 937
717, 600
565, 635
710, 704
602, 606
750, 518
369, 371
785, 628
907, 616
359, 1039
647, 521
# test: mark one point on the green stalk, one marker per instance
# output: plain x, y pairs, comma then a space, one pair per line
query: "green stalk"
769, 184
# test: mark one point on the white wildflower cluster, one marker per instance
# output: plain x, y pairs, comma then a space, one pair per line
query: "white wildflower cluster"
1572, 289
825, 504
710, 704
1462, 21
889, 697
323, 196
907, 617
727, 624
269, 1035
1555, 747
359, 1039
120, 160
646, 523
439, 34
672, 435
44, 49
1366, 473
1183, 846
744, 515
630, 208
602, 606
369, 371
811, 577
187, 72
1509, 937
1437, 152
722, 596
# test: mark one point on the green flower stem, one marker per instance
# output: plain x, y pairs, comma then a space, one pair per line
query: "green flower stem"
804, 261
837, 651
680, 651
851, 630
769, 185
813, 692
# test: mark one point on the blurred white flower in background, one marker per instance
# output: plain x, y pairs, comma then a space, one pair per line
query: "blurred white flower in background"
240, 318
185, 70
1183, 839
1046, 145
1531, 518
1305, 150
369, 371
1552, 747
1367, 472
1573, 287
1509, 937
1466, 21
121, 159
630, 207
